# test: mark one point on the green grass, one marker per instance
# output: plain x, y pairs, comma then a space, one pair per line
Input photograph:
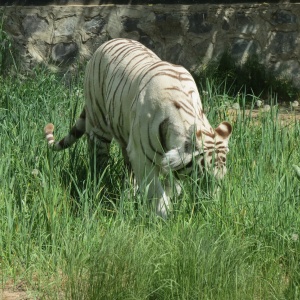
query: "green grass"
67, 236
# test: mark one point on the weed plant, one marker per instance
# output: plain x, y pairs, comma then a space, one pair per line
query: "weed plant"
67, 235
7, 59
251, 78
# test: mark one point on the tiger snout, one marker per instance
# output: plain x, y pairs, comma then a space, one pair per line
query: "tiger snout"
220, 172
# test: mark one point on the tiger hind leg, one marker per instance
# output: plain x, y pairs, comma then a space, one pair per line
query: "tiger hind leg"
98, 153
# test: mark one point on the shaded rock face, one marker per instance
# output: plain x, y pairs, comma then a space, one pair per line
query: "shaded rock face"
190, 35
63, 53
198, 23
33, 24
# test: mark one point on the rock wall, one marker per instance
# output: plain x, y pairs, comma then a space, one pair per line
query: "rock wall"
190, 35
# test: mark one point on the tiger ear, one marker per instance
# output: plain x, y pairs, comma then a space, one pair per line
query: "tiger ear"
224, 130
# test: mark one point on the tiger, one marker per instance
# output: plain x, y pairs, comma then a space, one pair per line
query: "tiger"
152, 108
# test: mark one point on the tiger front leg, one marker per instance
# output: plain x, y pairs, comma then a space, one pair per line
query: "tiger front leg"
147, 176
152, 185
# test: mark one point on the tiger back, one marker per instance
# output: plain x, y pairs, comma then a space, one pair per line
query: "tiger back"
153, 110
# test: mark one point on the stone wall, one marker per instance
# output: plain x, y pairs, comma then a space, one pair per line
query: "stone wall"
190, 35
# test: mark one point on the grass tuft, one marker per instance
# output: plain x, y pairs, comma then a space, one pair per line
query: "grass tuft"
67, 235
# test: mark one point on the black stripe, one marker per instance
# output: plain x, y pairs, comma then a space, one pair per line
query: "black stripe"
93, 117
150, 142
120, 137
97, 125
190, 164
96, 118
83, 114
76, 132
162, 131
151, 160
188, 109
101, 138
62, 144
202, 162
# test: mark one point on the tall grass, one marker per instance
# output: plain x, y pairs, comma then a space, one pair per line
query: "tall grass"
251, 76
66, 235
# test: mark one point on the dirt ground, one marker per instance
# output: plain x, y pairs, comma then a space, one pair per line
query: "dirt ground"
285, 116
13, 291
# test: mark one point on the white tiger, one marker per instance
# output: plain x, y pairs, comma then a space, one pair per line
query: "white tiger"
153, 110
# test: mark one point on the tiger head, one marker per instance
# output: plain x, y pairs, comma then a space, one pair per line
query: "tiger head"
208, 150
215, 149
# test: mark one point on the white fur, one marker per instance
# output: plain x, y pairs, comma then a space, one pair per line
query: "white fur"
175, 159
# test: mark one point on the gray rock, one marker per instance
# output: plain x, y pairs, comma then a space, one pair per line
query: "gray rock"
130, 24
283, 17
32, 24
283, 42
66, 26
94, 25
63, 53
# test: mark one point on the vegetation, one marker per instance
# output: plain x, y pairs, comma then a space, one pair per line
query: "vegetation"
66, 235
6, 57
251, 78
